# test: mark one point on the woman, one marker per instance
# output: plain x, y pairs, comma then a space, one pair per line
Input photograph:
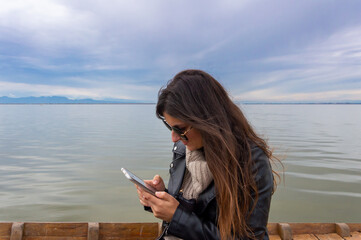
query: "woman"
221, 181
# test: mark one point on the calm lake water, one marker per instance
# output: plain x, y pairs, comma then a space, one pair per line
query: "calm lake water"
62, 162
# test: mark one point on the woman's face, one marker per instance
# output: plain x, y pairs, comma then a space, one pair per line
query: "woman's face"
194, 136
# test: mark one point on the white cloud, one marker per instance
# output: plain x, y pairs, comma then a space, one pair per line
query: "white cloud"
101, 91
342, 48
275, 94
47, 26
127, 31
47, 41
327, 69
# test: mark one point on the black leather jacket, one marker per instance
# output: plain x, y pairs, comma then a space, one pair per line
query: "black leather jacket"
201, 222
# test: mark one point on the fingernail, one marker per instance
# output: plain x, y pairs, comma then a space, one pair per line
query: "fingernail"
155, 182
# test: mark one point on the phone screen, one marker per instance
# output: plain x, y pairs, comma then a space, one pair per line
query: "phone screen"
133, 178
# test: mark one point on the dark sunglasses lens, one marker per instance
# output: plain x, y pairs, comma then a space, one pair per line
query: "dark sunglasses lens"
180, 133
167, 125
176, 130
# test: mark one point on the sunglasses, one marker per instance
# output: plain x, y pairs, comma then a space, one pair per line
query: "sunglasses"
182, 134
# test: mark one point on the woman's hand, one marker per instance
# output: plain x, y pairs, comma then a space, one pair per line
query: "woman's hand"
163, 205
157, 183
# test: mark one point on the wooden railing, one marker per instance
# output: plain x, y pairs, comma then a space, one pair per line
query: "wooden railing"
131, 231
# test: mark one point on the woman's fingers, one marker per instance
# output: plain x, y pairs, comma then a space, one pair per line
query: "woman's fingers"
163, 206
149, 182
157, 179
157, 183
144, 203
142, 198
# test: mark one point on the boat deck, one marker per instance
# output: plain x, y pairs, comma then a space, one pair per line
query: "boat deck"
132, 231
314, 231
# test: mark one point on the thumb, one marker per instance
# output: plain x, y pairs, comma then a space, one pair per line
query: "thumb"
156, 179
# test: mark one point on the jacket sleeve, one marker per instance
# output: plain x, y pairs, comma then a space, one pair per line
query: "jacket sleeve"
187, 225
148, 209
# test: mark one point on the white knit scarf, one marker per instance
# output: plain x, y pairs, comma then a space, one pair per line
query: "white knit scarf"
197, 176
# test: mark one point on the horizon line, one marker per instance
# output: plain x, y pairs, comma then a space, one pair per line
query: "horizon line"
135, 101
153, 103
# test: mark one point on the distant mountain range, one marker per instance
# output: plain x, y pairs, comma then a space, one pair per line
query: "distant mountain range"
65, 100
62, 100
302, 102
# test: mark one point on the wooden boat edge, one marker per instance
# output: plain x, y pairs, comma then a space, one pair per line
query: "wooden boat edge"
113, 231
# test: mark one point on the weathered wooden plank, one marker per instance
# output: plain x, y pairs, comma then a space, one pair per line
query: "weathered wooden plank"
342, 229
5, 229
17, 230
329, 236
93, 231
305, 237
129, 238
160, 228
354, 227
131, 231
284, 231
56, 229
125, 230
52, 238
312, 228
272, 229
274, 237
354, 236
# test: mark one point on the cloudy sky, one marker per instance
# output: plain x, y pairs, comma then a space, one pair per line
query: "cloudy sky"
259, 50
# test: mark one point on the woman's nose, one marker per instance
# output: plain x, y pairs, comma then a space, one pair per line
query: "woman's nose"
175, 137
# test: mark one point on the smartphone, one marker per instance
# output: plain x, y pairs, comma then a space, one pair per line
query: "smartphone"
138, 181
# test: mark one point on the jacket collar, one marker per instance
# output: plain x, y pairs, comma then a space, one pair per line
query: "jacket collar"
177, 168
179, 148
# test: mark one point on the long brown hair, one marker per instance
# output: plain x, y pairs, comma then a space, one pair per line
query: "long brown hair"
196, 98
